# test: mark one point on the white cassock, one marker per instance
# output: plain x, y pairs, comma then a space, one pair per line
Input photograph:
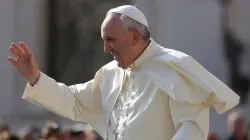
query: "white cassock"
165, 95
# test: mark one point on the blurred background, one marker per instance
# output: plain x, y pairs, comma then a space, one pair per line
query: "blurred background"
64, 36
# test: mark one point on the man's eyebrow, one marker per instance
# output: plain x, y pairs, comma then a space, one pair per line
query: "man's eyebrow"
109, 37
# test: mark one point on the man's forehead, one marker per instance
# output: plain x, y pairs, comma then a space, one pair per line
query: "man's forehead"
111, 24
111, 19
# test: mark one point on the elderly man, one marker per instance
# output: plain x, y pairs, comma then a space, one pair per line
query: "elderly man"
147, 93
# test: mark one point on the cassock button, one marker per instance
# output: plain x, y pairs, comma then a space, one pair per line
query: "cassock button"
132, 97
115, 131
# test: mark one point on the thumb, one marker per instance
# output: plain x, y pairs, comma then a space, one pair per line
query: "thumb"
12, 60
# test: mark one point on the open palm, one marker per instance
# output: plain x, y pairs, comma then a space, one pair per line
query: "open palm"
24, 62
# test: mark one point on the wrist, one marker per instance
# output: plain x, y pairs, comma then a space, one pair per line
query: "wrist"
33, 80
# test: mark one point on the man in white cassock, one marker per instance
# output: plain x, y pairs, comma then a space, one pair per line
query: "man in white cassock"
147, 93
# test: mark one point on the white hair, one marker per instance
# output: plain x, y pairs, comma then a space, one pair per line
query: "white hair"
131, 24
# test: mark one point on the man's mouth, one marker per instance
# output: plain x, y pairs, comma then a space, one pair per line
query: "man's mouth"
114, 53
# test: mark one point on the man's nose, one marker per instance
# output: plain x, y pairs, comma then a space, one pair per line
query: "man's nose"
107, 48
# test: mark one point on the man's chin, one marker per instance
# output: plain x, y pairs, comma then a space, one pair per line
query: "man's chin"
119, 64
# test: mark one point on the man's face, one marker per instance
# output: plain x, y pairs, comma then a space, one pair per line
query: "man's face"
117, 40
4, 134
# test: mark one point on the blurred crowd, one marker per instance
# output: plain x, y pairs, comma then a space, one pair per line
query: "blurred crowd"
50, 131
238, 127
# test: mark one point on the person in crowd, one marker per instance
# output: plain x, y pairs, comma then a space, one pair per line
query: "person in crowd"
236, 126
213, 136
5, 133
51, 131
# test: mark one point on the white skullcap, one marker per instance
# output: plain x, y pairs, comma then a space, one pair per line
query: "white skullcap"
130, 11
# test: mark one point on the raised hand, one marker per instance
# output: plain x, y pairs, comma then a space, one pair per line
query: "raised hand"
24, 62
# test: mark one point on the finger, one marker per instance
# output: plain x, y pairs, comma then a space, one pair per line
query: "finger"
12, 60
25, 48
18, 49
13, 51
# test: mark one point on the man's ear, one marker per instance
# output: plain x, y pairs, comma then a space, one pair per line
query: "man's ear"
136, 36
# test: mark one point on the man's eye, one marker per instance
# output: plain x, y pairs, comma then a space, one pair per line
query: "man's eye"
110, 39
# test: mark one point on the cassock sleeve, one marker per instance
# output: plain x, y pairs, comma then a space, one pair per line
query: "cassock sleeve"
191, 121
81, 102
